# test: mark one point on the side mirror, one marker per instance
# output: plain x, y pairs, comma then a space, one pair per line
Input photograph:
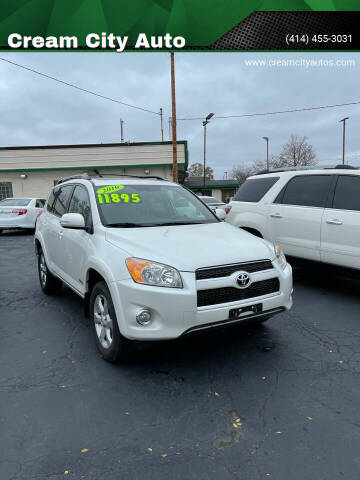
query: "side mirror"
73, 220
220, 213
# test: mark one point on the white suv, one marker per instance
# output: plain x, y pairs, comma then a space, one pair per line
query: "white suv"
312, 214
152, 262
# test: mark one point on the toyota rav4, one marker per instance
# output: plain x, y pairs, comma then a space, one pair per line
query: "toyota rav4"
137, 251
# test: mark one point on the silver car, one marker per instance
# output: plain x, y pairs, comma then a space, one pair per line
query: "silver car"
212, 202
20, 212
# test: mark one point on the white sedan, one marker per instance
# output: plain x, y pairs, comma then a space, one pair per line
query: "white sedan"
20, 212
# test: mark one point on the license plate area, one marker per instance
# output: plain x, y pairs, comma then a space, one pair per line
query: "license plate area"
243, 312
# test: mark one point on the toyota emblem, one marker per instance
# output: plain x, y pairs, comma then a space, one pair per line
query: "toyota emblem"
243, 280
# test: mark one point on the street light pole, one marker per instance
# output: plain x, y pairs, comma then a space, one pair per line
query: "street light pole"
122, 130
205, 122
267, 152
161, 124
170, 128
173, 105
343, 150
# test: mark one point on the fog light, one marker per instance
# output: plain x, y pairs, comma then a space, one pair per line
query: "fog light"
143, 317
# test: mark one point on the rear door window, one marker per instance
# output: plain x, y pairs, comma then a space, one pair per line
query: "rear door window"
254, 189
307, 190
39, 203
347, 193
62, 196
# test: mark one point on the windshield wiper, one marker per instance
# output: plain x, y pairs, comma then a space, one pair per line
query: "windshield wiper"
167, 224
127, 225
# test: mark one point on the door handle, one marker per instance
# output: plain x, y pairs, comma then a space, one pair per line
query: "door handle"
334, 222
275, 215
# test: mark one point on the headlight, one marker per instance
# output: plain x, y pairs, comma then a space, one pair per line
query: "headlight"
153, 273
280, 257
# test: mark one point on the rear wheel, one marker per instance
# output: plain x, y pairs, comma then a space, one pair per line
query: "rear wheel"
49, 284
109, 341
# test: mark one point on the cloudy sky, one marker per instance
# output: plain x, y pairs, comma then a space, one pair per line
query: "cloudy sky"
39, 111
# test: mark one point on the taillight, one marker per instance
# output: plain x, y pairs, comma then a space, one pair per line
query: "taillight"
20, 211
227, 209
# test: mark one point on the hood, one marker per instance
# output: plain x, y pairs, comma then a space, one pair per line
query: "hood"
188, 247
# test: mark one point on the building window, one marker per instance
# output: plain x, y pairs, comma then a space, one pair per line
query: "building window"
226, 194
5, 190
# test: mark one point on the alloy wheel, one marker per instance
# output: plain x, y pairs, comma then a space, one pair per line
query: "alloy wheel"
43, 270
103, 321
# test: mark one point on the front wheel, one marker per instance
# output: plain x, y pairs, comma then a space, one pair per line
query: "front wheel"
109, 341
49, 284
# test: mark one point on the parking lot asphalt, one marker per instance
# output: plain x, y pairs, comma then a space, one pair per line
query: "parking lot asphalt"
277, 402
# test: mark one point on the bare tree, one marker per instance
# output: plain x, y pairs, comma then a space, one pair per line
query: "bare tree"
274, 162
197, 170
297, 152
241, 172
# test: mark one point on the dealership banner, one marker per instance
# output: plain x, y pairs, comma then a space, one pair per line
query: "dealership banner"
160, 25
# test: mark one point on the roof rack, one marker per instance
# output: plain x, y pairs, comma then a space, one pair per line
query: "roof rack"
87, 176
83, 176
317, 167
114, 175
345, 167
284, 169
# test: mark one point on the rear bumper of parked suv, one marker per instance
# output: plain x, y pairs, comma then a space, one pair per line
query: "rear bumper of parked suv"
175, 312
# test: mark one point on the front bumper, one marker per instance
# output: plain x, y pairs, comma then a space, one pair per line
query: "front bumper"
227, 323
175, 311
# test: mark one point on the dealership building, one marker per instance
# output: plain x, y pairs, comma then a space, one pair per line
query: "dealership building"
33, 171
223, 190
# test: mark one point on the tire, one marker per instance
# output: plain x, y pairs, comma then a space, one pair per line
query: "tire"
1, 230
112, 346
48, 283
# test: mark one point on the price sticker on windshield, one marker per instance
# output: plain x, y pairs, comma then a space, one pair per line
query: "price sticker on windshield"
107, 195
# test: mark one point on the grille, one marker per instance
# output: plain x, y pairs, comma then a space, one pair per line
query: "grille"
214, 296
226, 270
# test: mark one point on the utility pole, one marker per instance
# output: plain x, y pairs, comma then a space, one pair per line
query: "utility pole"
173, 105
161, 123
205, 122
122, 130
267, 152
343, 149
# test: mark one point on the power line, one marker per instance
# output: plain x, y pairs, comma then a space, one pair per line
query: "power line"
305, 109
78, 88
275, 113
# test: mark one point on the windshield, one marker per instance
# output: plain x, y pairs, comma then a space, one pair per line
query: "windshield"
150, 205
15, 202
